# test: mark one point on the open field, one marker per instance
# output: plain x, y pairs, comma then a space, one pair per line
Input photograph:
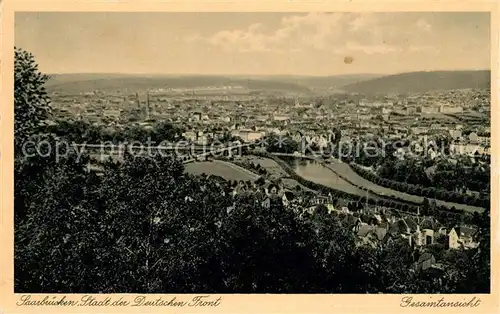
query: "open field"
312, 172
345, 171
220, 168
317, 173
272, 167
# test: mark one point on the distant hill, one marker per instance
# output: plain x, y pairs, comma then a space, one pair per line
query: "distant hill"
322, 82
75, 83
57, 79
421, 82
413, 82
336, 81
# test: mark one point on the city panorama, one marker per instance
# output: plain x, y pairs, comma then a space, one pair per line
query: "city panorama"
252, 152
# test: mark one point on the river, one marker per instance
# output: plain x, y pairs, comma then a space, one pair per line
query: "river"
314, 171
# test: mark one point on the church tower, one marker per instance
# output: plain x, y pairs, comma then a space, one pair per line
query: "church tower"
147, 106
137, 101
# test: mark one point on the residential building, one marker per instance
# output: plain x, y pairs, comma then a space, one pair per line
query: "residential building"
281, 118
428, 109
462, 236
450, 110
463, 149
455, 134
248, 135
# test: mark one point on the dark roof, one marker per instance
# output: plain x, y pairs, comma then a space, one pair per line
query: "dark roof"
349, 220
426, 256
429, 223
366, 218
465, 231
410, 222
341, 202
364, 230
398, 227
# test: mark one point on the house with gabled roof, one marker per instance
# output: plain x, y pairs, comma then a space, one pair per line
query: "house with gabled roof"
462, 236
341, 203
429, 229
370, 234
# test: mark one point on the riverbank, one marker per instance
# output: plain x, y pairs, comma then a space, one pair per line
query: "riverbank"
428, 192
344, 170
374, 200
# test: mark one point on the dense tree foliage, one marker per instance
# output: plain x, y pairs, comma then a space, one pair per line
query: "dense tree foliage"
422, 189
146, 226
82, 132
31, 103
452, 177
280, 144
455, 176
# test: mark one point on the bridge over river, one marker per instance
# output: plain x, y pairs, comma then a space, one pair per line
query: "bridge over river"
332, 172
102, 152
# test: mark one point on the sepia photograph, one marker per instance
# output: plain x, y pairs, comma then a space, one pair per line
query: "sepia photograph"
252, 153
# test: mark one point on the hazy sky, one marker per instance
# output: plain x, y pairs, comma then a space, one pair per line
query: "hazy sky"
254, 43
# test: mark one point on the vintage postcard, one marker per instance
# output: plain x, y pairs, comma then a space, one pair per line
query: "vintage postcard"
278, 157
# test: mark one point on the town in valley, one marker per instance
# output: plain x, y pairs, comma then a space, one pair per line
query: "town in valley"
317, 182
